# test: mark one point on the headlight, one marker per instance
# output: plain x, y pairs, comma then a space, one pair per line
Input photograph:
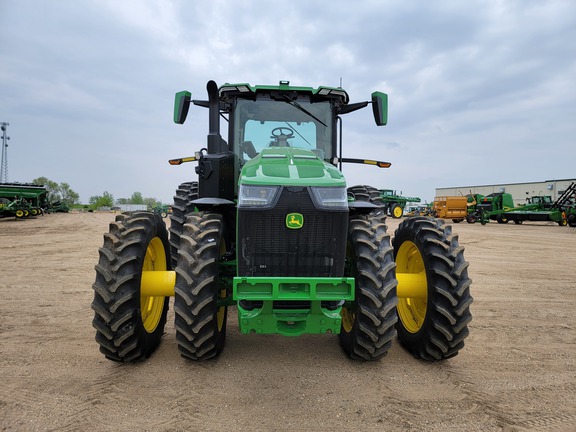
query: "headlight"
257, 196
330, 198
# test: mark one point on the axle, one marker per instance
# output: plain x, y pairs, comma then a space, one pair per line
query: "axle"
161, 284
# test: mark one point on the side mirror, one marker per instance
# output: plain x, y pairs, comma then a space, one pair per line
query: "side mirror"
181, 106
380, 108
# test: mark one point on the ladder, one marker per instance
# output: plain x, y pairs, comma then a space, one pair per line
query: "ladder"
565, 197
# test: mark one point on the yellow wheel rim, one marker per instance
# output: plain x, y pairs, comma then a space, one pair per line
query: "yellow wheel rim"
151, 308
397, 212
412, 310
221, 313
19, 213
348, 318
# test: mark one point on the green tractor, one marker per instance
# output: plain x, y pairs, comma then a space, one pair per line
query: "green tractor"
391, 203
163, 210
270, 229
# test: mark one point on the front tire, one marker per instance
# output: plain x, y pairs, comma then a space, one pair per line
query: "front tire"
433, 324
129, 325
199, 320
368, 323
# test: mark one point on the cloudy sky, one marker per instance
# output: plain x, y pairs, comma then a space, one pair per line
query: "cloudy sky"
481, 91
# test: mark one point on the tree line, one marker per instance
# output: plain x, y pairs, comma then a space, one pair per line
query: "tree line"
107, 200
62, 192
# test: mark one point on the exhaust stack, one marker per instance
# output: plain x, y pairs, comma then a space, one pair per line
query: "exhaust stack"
215, 142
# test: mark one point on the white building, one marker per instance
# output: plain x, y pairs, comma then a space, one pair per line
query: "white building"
132, 207
519, 191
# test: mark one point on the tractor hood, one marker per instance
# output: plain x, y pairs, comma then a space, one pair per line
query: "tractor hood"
287, 166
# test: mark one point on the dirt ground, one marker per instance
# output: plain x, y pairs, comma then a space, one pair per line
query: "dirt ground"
516, 373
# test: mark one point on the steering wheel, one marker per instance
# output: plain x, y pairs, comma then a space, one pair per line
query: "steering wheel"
279, 131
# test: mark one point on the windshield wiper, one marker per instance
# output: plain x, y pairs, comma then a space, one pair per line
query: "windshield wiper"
301, 108
299, 134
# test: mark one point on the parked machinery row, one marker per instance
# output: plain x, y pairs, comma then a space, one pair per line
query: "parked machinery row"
500, 207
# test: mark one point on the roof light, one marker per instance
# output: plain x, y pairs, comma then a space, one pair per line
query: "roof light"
242, 88
325, 91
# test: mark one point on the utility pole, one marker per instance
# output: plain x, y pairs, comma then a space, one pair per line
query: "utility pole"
4, 166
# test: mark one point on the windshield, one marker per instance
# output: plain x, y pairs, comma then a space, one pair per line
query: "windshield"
268, 123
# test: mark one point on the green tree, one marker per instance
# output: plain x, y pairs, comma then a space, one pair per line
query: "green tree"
51, 187
136, 198
152, 202
58, 192
68, 195
104, 200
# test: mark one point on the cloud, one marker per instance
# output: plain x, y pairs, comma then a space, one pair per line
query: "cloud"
478, 90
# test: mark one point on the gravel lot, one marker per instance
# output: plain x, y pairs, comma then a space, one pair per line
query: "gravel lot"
516, 373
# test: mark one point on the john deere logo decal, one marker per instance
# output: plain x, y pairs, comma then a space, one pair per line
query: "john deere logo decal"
294, 220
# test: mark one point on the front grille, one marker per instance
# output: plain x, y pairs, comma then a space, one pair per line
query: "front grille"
266, 247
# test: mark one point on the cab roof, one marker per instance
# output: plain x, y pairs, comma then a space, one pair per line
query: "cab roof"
321, 92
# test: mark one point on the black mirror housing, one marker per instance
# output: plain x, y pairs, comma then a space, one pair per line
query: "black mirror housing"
380, 108
181, 106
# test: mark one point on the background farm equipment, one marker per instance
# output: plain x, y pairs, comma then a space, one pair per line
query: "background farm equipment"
451, 207
418, 210
163, 210
270, 228
392, 203
22, 200
57, 207
500, 207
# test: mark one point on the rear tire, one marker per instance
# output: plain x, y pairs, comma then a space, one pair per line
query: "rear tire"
200, 323
128, 325
368, 323
366, 193
433, 328
572, 220
185, 193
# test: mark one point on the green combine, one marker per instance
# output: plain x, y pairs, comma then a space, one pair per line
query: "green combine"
270, 229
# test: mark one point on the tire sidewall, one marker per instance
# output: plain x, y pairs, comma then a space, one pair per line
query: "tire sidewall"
151, 340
